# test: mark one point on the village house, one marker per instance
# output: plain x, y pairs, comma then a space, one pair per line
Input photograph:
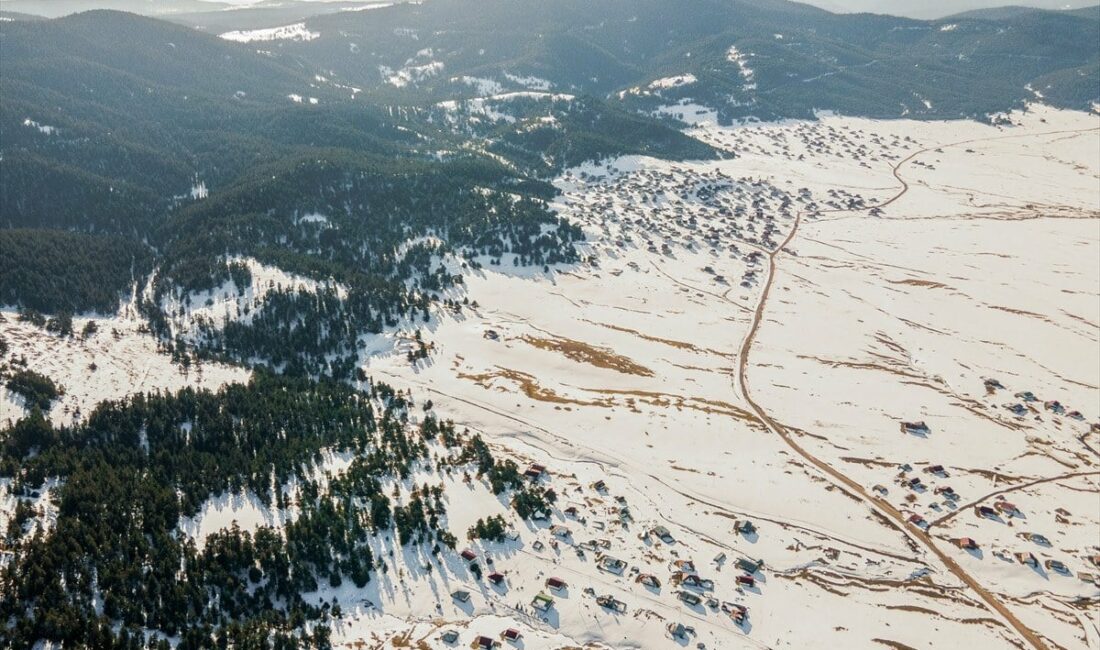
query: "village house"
485, 642
687, 566
746, 580
1041, 540
736, 612
649, 580
542, 602
663, 534
496, 578
1024, 557
947, 491
1007, 508
689, 598
744, 526
556, 584
938, 470
461, 596
610, 602
449, 637
750, 566
610, 564
679, 630
511, 634
469, 555
534, 471
985, 512
966, 543
1056, 566
915, 428
692, 580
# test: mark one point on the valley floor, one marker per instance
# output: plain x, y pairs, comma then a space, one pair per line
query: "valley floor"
744, 344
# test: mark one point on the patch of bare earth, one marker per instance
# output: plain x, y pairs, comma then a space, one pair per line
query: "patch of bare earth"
589, 354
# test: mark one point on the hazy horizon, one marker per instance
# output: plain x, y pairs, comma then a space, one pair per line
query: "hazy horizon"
920, 9
932, 9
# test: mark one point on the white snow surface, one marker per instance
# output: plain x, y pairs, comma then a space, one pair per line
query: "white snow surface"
120, 359
42, 128
918, 260
625, 371
295, 32
674, 81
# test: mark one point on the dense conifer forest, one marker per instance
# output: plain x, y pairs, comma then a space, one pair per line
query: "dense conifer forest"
137, 468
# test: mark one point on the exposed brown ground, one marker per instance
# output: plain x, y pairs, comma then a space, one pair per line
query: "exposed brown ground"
590, 354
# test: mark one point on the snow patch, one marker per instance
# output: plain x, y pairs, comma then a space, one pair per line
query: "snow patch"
411, 74
673, 82
740, 59
42, 128
295, 32
481, 85
530, 82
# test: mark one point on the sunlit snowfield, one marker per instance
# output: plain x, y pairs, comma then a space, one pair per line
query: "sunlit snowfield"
744, 342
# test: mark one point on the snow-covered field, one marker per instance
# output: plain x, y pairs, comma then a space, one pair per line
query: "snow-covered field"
987, 267
744, 347
119, 359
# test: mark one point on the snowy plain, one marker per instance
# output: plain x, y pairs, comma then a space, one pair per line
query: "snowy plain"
913, 271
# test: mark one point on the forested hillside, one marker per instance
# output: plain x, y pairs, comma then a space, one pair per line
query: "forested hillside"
802, 58
201, 149
116, 569
204, 149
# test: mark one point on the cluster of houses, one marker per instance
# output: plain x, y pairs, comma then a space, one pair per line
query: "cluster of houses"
914, 484
1028, 404
1052, 565
694, 208
1000, 510
818, 139
596, 510
483, 642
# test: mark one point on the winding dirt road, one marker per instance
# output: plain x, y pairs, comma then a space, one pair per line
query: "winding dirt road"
840, 479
